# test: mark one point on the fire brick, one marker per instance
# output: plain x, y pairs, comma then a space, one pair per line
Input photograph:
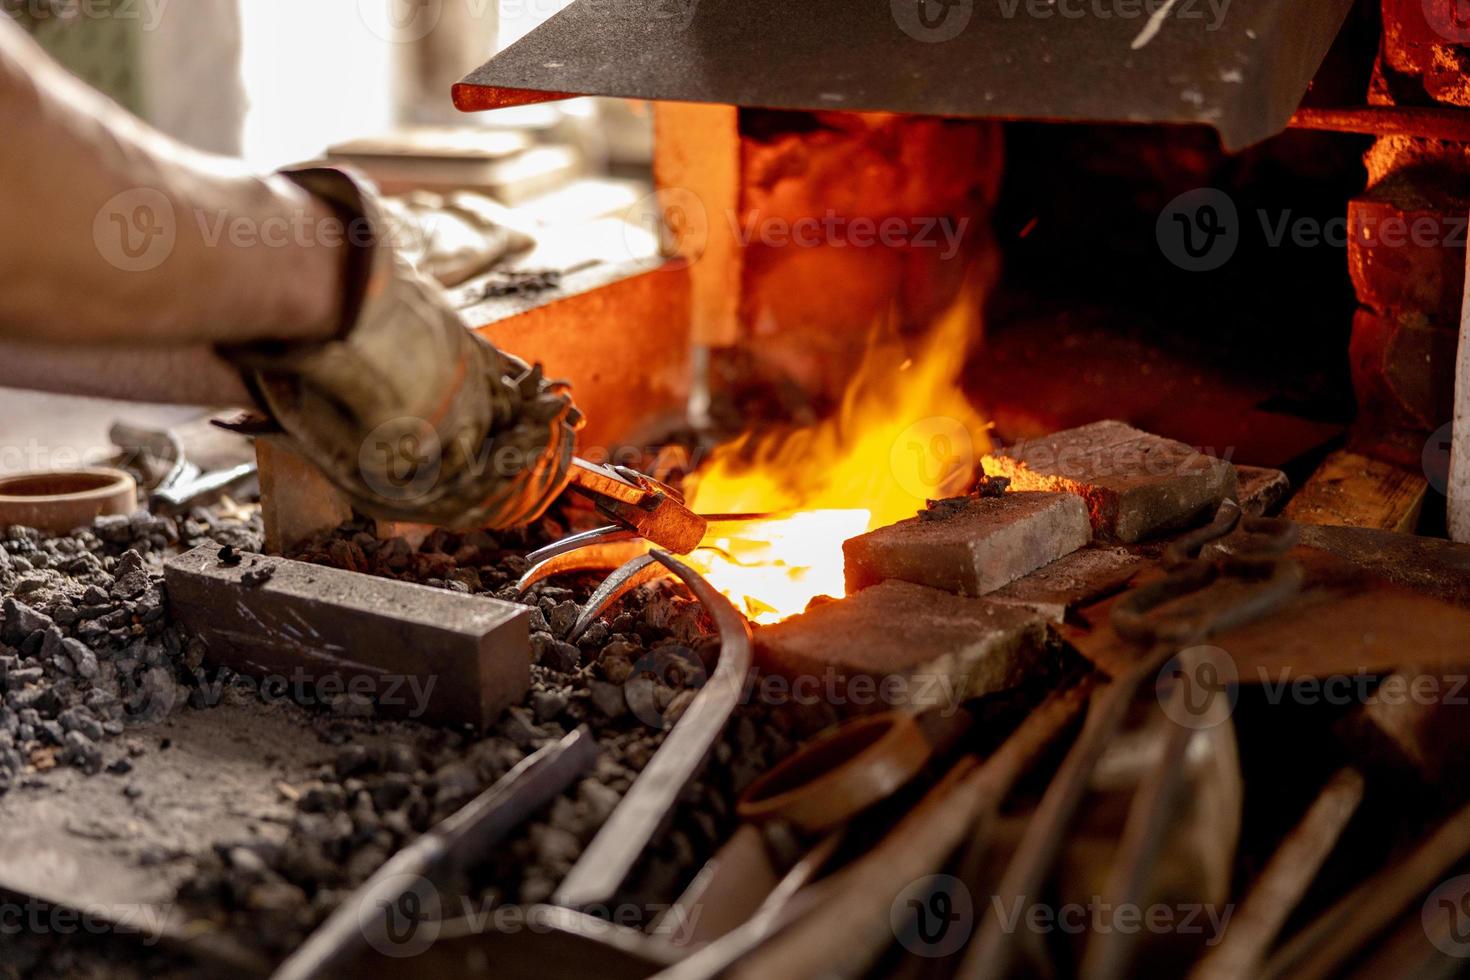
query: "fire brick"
1135, 484
1403, 370
1262, 490
950, 648
972, 550
415, 650
1406, 250
1072, 582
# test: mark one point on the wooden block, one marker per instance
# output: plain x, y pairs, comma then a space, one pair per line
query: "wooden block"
1136, 485
296, 499
971, 549
1356, 491
428, 653
941, 648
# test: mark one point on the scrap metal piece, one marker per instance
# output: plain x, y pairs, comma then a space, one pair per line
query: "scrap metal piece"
184, 483
1244, 74
604, 867
638, 571
435, 654
408, 885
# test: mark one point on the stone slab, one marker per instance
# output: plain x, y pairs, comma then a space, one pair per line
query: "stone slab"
1071, 582
426, 653
940, 648
1262, 490
971, 548
1136, 485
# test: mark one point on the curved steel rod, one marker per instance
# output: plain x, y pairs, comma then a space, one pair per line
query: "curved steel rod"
599, 535
598, 556
599, 874
628, 577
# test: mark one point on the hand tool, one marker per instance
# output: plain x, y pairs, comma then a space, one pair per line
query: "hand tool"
413, 876
838, 775
1282, 883
641, 503
1145, 616
184, 483
849, 922
604, 867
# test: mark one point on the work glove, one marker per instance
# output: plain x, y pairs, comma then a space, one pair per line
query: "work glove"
410, 413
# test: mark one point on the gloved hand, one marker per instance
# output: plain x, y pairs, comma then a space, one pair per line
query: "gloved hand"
408, 412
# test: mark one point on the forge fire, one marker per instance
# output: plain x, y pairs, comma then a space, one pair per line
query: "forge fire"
914, 490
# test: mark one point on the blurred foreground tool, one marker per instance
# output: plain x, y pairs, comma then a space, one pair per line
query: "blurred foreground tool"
600, 873
415, 650
411, 886
183, 484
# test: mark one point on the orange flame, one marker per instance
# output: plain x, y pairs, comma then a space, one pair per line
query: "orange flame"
904, 433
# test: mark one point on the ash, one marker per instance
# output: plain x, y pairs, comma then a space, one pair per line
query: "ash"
90, 648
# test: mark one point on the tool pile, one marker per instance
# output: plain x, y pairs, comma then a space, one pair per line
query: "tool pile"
1116, 774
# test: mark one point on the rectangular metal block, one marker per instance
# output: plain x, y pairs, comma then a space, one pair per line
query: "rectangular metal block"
1136, 485
427, 653
974, 549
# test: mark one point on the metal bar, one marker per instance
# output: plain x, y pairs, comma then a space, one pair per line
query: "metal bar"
1426, 122
603, 868
1281, 885
639, 571
1320, 952
1109, 953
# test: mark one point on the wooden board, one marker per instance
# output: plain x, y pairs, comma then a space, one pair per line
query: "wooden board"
1356, 491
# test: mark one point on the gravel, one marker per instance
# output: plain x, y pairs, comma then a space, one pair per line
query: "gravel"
87, 648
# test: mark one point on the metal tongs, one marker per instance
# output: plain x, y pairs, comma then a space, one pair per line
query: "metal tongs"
638, 503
